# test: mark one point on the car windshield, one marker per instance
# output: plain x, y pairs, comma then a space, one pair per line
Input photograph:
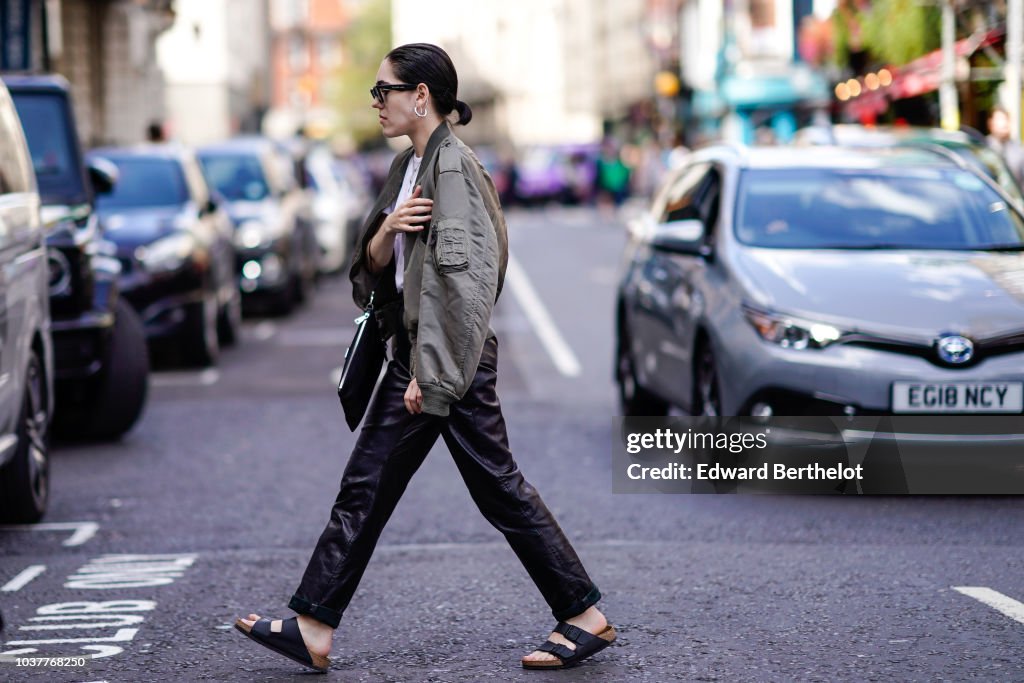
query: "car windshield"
145, 182
905, 208
236, 177
47, 125
991, 163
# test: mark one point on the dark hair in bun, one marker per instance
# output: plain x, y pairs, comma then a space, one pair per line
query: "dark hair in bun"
428, 64
465, 113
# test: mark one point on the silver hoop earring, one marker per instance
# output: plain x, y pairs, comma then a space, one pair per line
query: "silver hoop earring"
417, 111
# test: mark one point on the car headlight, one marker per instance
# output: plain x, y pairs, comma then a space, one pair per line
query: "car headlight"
791, 333
252, 235
167, 253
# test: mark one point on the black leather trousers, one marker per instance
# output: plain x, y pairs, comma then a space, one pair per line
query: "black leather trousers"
390, 448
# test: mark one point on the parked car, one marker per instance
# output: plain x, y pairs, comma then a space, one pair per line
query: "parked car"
823, 281
276, 254
354, 183
175, 247
966, 145
26, 354
100, 356
563, 173
330, 209
290, 157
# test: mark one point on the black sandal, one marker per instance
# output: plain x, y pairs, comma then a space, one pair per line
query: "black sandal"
586, 643
283, 637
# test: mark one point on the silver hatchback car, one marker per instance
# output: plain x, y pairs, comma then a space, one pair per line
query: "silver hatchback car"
824, 281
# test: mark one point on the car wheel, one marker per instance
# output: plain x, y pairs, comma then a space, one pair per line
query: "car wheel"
634, 399
25, 481
121, 393
200, 341
229, 325
707, 398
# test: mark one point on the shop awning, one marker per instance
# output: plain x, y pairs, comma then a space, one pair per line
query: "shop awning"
921, 76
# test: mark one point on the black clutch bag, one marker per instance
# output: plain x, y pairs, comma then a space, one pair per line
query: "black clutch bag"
363, 361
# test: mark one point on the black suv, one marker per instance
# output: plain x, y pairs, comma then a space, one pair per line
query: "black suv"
100, 354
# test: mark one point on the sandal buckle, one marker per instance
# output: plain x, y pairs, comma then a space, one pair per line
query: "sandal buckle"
572, 632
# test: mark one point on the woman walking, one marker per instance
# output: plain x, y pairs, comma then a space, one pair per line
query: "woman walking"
433, 255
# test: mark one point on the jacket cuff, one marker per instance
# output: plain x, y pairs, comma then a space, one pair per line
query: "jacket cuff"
435, 400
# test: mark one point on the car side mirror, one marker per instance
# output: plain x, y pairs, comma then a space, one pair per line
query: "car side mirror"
103, 175
681, 237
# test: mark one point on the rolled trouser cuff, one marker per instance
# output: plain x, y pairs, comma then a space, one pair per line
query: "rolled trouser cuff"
578, 607
325, 615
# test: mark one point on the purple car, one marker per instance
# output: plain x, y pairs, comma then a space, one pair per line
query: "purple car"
564, 173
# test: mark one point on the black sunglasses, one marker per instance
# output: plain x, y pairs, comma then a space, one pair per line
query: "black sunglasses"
378, 91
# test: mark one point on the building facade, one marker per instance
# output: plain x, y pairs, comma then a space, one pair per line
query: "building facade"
538, 71
305, 53
105, 48
741, 62
215, 63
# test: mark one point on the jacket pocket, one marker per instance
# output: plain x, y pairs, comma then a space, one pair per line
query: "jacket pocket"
451, 247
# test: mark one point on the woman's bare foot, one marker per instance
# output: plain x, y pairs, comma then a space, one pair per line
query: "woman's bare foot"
591, 621
316, 635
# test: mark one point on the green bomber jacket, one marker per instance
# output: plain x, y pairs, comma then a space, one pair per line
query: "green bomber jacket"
454, 269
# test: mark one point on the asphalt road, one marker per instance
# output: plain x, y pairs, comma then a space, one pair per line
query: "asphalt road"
210, 507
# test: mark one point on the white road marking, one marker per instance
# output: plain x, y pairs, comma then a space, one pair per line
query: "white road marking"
23, 578
98, 619
203, 378
561, 354
130, 571
337, 337
83, 531
995, 600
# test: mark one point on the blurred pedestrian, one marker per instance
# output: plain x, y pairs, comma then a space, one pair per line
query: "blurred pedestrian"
510, 194
433, 254
999, 139
650, 169
155, 132
579, 177
612, 175
764, 136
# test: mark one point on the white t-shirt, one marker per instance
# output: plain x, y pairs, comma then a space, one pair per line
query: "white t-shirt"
408, 185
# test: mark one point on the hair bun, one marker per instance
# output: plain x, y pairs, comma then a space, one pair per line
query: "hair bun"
465, 113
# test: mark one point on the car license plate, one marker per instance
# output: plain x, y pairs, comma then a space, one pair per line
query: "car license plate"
957, 397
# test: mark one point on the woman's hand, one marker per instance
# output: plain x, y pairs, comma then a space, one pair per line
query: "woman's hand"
414, 398
411, 216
